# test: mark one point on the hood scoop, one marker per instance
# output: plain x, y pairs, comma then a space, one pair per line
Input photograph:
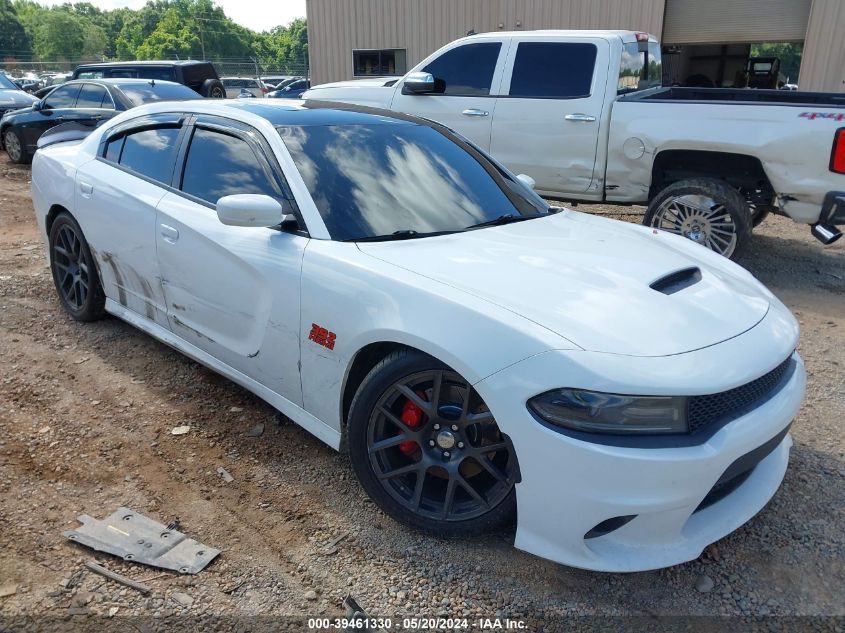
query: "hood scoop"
677, 281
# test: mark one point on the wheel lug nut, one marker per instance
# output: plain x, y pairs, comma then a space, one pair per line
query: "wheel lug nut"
460, 444
436, 427
431, 442
447, 454
454, 427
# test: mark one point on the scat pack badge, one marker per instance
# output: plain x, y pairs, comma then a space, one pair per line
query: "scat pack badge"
321, 336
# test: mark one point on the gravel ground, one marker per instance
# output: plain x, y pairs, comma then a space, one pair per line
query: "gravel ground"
85, 418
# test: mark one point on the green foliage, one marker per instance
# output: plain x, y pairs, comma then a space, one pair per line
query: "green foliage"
13, 36
788, 52
161, 29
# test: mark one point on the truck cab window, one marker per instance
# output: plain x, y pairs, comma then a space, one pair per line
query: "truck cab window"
553, 70
466, 70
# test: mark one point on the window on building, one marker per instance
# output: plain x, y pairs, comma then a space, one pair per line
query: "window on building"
559, 70
465, 70
379, 63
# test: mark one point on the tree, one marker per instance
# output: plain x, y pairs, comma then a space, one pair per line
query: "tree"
14, 40
59, 35
171, 38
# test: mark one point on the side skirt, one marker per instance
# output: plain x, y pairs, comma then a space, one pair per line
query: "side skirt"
296, 413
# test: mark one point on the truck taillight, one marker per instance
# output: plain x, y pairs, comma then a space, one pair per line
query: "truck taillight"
837, 156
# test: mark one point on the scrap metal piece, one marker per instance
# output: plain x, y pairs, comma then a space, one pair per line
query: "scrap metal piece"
136, 538
123, 580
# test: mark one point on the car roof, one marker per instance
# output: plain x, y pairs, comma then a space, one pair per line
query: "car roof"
119, 81
177, 62
279, 112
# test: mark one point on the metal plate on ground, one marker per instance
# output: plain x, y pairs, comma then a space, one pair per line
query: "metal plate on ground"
138, 539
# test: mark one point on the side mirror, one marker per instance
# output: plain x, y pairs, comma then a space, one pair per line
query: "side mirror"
526, 180
38, 105
249, 209
418, 83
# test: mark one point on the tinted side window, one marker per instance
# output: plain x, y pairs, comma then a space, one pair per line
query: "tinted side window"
113, 148
465, 70
221, 165
553, 70
91, 96
63, 97
150, 152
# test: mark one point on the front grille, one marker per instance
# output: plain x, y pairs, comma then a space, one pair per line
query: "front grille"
720, 407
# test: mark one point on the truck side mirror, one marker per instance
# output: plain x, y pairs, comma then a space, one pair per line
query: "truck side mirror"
418, 83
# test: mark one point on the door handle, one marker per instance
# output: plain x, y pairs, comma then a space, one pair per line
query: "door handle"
577, 116
169, 233
475, 112
86, 188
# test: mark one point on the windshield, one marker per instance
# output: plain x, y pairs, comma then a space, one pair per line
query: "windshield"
6, 83
380, 179
139, 93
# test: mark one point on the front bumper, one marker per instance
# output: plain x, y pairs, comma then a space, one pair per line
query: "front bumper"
569, 486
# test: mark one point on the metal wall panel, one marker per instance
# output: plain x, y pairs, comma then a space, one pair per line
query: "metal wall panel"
735, 21
336, 27
823, 62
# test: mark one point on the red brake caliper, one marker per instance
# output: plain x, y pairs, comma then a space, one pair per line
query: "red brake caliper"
414, 417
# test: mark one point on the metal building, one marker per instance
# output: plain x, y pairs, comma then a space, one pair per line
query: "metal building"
381, 38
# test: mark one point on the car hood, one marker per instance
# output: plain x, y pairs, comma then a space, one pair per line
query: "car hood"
15, 99
589, 280
357, 83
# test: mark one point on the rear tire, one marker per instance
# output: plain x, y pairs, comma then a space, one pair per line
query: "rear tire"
438, 456
705, 210
75, 271
15, 147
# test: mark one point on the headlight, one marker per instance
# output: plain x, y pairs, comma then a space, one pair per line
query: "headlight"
594, 412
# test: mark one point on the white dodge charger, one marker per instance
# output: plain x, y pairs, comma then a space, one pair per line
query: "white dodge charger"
624, 392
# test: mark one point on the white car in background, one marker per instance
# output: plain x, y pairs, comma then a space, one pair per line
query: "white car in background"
405, 298
236, 85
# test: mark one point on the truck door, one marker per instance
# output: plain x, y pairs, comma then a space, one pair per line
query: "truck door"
548, 119
467, 78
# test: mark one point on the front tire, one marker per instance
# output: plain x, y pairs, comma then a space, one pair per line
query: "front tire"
705, 210
427, 449
15, 147
74, 271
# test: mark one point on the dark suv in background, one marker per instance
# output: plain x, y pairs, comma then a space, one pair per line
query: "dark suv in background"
200, 76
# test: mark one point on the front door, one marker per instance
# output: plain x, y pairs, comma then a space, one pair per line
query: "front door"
232, 292
467, 79
53, 111
547, 123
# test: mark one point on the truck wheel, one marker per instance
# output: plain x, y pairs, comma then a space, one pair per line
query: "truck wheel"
705, 210
213, 89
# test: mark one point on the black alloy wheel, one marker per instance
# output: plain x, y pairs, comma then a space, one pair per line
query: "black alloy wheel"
428, 450
74, 271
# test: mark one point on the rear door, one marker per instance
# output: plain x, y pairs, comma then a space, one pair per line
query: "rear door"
232, 292
93, 104
547, 122
119, 193
467, 78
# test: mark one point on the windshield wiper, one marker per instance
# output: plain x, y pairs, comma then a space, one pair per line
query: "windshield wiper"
508, 218
404, 234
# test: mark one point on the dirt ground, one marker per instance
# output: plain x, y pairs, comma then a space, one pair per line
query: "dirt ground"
86, 412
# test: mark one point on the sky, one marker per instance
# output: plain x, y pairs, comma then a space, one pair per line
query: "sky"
258, 15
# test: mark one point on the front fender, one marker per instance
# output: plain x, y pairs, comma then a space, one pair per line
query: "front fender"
361, 300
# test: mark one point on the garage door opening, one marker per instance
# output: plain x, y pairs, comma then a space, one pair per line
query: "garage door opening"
764, 65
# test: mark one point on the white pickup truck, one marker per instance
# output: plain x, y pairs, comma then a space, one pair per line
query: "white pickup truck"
584, 115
